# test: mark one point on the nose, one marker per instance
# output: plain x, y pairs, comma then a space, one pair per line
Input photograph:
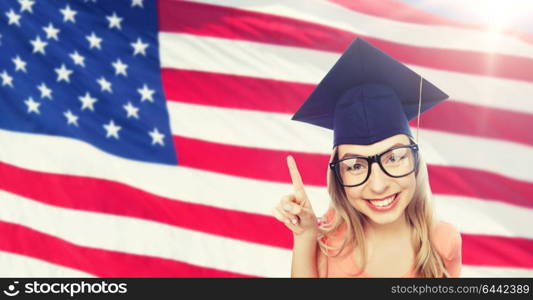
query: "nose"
378, 181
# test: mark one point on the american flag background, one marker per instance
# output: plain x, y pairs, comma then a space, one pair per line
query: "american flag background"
148, 138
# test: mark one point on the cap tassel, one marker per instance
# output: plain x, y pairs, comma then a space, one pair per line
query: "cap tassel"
419, 107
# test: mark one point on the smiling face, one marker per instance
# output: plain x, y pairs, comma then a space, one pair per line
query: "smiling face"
381, 198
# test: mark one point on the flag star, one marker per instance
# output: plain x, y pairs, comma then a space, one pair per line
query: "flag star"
157, 137
114, 21
94, 41
38, 45
45, 91
71, 118
19, 64
6, 79
131, 110
68, 14
112, 130
139, 47
137, 3
63, 73
87, 101
32, 105
146, 93
120, 68
78, 59
51, 32
104, 84
26, 5
13, 17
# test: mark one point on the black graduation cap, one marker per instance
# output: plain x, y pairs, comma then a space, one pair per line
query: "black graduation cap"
367, 96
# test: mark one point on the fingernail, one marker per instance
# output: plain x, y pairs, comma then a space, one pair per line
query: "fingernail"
294, 221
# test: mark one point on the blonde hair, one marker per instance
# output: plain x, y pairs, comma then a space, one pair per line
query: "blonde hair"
419, 215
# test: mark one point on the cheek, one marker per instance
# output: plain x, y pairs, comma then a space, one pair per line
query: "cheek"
355, 196
407, 186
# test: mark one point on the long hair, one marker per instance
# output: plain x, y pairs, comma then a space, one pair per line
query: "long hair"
419, 215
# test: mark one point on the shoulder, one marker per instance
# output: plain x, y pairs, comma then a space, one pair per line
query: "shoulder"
447, 240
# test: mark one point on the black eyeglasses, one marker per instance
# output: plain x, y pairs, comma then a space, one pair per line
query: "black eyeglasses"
396, 162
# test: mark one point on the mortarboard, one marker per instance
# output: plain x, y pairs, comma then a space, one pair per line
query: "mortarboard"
368, 96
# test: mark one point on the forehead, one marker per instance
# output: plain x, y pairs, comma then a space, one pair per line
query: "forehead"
378, 147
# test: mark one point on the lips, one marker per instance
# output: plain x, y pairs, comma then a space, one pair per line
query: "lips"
383, 204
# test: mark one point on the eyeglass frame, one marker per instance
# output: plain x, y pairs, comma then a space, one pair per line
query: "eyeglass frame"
376, 158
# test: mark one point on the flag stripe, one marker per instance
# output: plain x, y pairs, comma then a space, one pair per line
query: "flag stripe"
15, 265
482, 216
477, 271
208, 54
321, 12
230, 23
102, 263
144, 238
219, 124
497, 251
285, 97
96, 195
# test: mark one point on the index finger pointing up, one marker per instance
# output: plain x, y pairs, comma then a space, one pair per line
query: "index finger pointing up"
295, 176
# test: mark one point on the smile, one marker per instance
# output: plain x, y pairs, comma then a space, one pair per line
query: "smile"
384, 204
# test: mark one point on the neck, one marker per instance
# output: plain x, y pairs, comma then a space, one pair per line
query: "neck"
393, 229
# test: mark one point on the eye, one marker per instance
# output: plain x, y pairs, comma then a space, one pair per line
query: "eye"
355, 167
396, 157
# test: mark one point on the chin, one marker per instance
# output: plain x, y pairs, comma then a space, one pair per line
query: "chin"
384, 219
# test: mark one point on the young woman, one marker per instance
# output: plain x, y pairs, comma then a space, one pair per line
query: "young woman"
380, 222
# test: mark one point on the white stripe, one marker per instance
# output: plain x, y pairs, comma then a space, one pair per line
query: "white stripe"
14, 265
472, 271
474, 216
130, 235
208, 54
279, 132
229, 192
432, 36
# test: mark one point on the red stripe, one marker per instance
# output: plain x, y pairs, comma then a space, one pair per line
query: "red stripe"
285, 97
230, 23
396, 10
270, 165
102, 263
92, 194
493, 251
486, 122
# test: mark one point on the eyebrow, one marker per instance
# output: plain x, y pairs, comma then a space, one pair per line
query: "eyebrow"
355, 154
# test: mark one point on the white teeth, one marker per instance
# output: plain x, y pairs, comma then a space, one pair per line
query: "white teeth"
383, 203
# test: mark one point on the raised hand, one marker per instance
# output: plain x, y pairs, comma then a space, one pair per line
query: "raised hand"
295, 210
